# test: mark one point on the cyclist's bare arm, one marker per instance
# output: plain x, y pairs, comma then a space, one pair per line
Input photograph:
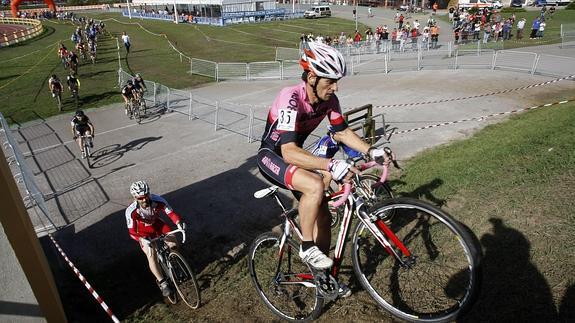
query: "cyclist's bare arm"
297, 156
352, 140
91, 128
73, 131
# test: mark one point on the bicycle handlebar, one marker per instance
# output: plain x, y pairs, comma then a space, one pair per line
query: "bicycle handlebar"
167, 234
364, 166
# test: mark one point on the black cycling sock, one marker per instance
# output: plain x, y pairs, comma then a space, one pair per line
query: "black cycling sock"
305, 245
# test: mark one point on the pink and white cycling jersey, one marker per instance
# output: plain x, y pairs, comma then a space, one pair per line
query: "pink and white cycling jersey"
292, 118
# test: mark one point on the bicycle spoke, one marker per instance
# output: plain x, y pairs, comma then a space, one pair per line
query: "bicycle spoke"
184, 280
437, 283
288, 289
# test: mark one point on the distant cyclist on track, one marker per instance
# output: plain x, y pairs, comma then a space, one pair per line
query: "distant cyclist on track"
144, 222
55, 85
80, 126
294, 114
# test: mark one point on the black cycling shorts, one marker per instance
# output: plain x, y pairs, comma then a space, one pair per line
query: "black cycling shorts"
275, 169
81, 130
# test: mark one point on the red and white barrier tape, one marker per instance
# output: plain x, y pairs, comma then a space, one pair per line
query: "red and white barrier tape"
473, 119
86, 284
477, 95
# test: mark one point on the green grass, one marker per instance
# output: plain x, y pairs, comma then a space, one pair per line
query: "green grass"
27, 67
511, 184
23, 78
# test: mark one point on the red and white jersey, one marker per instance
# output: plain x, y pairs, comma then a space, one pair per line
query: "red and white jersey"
146, 222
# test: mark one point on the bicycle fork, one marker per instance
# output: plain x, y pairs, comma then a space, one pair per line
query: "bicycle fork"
384, 235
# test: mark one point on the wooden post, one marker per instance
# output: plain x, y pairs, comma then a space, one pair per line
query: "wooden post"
22, 237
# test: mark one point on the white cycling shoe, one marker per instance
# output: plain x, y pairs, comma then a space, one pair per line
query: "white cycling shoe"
315, 258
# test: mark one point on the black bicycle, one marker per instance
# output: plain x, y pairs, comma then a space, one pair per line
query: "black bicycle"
177, 269
138, 107
87, 142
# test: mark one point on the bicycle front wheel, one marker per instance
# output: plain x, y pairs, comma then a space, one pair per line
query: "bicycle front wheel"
283, 281
437, 275
136, 112
87, 152
184, 280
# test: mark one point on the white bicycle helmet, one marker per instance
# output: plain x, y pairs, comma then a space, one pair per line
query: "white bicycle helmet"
139, 189
323, 60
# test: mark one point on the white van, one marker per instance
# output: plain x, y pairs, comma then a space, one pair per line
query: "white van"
317, 12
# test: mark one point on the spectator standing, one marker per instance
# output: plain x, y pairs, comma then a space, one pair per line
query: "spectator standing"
400, 21
126, 40
416, 24
425, 37
486, 32
541, 28
394, 39
342, 38
507, 30
434, 31
414, 34
520, 27
435, 7
534, 28
357, 38
476, 31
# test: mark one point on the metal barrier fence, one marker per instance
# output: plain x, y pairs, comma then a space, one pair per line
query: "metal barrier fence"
237, 118
386, 56
365, 59
31, 194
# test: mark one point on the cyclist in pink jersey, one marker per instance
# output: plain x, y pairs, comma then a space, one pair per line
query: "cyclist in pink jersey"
294, 114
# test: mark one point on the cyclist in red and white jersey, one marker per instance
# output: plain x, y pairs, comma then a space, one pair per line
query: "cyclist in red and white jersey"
294, 114
144, 222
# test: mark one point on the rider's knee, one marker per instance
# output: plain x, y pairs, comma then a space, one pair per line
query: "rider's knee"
314, 188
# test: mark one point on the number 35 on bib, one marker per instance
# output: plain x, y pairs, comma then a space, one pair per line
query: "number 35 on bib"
286, 119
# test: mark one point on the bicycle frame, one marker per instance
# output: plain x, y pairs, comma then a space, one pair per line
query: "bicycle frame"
353, 205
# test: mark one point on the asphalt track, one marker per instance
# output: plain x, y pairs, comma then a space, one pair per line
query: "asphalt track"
209, 176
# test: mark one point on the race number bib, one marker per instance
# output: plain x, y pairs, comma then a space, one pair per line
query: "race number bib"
286, 119
321, 151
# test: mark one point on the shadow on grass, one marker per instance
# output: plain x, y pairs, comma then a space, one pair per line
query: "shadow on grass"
97, 97
425, 192
86, 75
513, 289
7, 77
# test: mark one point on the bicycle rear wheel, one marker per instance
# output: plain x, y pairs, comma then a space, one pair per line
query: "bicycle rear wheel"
438, 282
282, 280
184, 280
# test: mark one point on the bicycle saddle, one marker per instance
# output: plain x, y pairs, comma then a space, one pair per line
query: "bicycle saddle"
266, 192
